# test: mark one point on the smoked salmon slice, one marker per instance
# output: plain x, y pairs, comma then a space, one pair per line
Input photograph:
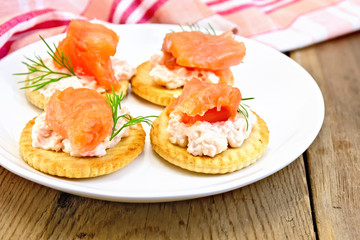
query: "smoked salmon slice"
89, 47
196, 49
204, 101
80, 115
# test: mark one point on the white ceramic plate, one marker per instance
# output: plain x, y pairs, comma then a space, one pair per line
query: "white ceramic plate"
286, 96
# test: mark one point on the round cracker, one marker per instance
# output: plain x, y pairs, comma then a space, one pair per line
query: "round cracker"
63, 165
40, 100
143, 86
230, 160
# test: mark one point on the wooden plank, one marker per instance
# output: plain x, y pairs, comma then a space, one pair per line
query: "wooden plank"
275, 208
333, 159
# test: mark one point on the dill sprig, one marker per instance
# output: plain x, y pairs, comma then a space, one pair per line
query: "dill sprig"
46, 74
196, 27
211, 28
242, 109
114, 100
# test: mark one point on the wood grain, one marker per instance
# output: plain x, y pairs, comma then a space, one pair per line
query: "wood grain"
275, 208
333, 159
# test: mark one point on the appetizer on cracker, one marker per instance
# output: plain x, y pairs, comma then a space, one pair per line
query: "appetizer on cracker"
186, 55
83, 59
208, 129
82, 134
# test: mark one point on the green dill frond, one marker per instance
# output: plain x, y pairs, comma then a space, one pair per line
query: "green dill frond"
114, 101
196, 27
242, 109
47, 75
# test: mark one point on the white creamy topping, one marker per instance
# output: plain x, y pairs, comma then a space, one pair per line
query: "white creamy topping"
43, 137
178, 76
122, 71
205, 138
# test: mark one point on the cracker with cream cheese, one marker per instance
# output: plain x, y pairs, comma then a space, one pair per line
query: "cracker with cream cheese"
230, 160
143, 86
63, 165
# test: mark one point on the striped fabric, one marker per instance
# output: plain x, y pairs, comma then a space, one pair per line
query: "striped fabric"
281, 24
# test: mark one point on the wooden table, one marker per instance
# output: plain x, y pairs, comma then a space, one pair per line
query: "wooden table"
315, 197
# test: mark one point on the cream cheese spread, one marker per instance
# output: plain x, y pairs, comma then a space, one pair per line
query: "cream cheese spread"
177, 77
208, 139
43, 137
122, 71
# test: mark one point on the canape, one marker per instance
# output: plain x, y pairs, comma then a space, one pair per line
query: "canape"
186, 55
83, 59
209, 129
82, 134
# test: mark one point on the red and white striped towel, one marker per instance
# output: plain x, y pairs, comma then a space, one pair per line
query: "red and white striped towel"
282, 24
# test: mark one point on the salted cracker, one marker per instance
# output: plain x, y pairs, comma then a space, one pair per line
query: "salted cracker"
230, 160
63, 165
